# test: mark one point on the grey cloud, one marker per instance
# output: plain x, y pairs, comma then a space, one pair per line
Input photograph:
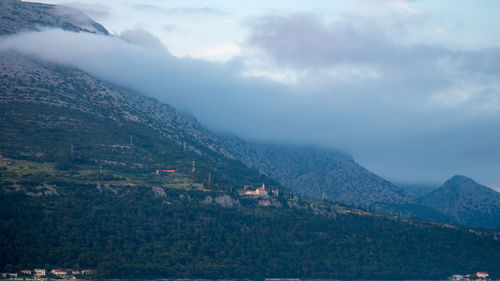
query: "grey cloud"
189, 11
142, 37
388, 121
95, 11
393, 70
148, 7
302, 40
169, 27
484, 62
73, 15
197, 11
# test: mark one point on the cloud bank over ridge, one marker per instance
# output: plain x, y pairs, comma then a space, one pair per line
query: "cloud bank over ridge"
416, 112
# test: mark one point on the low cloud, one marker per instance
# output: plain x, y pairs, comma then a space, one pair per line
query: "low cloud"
302, 40
95, 11
169, 27
422, 115
410, 111
196, 11
143, 38
187, 11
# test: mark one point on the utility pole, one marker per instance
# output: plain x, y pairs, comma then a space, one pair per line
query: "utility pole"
131, 140
192, 171
209, 179
100, 170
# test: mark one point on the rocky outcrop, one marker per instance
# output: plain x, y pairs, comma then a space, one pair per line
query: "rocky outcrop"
159, 192
227, 201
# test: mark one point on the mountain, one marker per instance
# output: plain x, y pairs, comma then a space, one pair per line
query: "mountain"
55, 113
78, 189
60, 114
17, 16
323, 174
94, 175
318, 173
311, 172
466, 201
82, 122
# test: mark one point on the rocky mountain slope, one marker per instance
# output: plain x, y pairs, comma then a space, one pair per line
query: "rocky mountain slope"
466, 201
54, 113
78, 190
328, 175
79, 120
317, 173
310, 172
60, 114
19, 16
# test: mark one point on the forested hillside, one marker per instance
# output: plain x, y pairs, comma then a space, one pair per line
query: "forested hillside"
141, 232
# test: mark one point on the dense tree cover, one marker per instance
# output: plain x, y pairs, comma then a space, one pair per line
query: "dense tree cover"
133, 233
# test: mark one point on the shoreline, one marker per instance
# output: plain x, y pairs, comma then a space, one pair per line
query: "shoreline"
223, 279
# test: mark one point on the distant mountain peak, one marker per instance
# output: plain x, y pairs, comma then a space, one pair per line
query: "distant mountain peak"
461, 178
458, 181
466, 201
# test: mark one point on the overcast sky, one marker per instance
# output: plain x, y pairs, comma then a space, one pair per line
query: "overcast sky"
410, 88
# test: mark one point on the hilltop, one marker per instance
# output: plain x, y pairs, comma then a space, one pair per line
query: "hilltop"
466, 201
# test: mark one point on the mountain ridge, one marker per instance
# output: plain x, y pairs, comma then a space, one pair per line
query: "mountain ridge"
318, 173
341, 180
20, 16
466, 201
98, 176
150, 135
64, 106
